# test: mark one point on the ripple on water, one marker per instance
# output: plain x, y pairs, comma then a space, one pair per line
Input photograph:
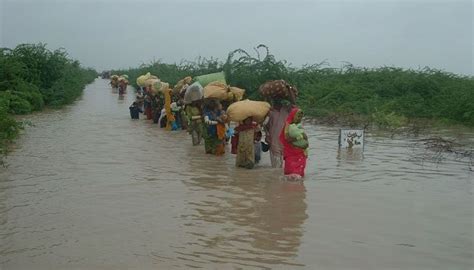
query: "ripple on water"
90, 188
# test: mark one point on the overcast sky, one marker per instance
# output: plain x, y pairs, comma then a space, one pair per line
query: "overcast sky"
107, 34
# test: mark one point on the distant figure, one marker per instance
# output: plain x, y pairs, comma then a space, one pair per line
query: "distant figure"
295, 145
122, 87
135, 110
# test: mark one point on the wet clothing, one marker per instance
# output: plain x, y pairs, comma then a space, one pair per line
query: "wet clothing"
221, 139
184, 121
169, 114
140, 99
147, 106
195, 124
245, 147
176, 111
294, 157
122, 87
234, 142
276, 159
258, 151
135, 112
162, 120
276, 122
211, 141
155, 108
114, 83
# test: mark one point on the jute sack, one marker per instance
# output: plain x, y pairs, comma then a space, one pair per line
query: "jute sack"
181, 84
216, 90
235, 94
240, 110
141, 79
160, 87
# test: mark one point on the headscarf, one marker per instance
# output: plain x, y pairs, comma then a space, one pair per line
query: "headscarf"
291, 115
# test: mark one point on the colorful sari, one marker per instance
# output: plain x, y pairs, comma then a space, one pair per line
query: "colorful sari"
148, 109
156, 108
294, 157
211, 141
169, 114
220, 147
245, 147
195, 126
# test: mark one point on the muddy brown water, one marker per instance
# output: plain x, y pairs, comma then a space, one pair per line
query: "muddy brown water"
88, 188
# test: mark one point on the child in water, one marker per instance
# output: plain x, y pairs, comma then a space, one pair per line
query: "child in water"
135, 110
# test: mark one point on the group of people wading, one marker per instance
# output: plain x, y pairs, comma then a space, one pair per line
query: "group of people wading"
207, 120
120, 83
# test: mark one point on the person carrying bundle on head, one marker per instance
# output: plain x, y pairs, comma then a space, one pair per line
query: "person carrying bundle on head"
246, 147
195, 124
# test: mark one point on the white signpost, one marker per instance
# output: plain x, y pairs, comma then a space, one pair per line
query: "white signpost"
351, 139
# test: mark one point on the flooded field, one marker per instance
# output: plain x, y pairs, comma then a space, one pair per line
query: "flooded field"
88, 188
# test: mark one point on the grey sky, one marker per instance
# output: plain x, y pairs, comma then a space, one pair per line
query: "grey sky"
117, 34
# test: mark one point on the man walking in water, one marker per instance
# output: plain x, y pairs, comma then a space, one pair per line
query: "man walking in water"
273, 126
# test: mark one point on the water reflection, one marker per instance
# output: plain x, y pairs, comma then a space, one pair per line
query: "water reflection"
349, 154
4, 233
249, 221
88, 188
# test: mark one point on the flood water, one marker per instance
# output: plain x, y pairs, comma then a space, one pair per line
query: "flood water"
88, 188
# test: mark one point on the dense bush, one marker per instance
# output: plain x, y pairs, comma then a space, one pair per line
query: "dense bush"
32, 77
386, 94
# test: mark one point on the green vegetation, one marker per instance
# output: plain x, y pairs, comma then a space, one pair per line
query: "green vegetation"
32, 77
385, 96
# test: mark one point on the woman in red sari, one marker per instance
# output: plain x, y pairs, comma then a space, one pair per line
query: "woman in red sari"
294, 156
